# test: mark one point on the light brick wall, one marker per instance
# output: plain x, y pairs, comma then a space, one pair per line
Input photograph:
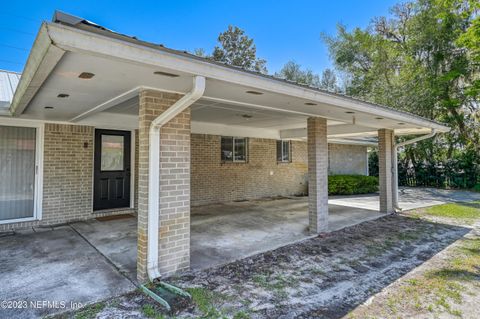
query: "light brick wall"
67, 177
317, 174
347, 159
174, 237
214, 181
385, 142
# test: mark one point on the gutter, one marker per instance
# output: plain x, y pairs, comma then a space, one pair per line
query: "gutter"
395, 164
154, 171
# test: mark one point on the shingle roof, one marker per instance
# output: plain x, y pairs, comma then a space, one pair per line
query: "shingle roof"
8, 84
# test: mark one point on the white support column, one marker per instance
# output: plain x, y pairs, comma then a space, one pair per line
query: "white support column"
385, 174
317, 174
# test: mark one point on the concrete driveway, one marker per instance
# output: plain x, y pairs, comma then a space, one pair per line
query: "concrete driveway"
85, 262
50, 270
409, 198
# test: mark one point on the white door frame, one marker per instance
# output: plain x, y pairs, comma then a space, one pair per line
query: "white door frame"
39, 145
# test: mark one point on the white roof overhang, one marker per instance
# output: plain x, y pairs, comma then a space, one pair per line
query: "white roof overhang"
123, 68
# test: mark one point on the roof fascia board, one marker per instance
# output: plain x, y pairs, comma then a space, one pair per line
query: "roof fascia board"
43, 58
76, 40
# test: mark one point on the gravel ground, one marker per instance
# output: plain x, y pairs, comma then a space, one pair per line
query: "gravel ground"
324, 277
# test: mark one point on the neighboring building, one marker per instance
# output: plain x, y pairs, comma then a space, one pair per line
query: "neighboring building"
103, 124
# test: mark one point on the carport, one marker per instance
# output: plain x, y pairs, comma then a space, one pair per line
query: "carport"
87, 89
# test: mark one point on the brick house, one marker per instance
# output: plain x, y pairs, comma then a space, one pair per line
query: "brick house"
103, 124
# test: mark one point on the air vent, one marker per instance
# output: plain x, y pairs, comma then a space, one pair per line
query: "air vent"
310, 103
86, 75
171, 75
63, 95
255, 92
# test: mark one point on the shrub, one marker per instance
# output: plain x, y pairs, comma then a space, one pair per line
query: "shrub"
352, 184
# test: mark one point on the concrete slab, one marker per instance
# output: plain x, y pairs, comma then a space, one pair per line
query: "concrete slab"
54, 268
409, 198
221, 233
115, 239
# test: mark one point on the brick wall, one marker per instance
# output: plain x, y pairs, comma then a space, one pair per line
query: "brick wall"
174, 232
262, 176
317, 174
214, 181
67, 177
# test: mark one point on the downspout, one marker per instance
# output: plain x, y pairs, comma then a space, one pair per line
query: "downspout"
154, 171
395, 165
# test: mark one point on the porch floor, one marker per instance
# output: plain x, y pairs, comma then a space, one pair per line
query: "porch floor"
95, 260
221, 233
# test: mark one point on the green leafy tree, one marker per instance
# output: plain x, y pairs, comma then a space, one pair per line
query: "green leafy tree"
236, 48
293, 71
329, 81
423, 58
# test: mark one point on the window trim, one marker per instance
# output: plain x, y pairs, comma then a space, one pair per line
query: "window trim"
289, 160
39, 143
233, 149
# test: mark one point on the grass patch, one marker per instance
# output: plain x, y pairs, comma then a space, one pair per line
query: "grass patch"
90, 311
205, 301
467, 212
275, 283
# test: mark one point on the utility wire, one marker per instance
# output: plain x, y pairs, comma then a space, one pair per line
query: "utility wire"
14, 15
11, 62
13, 47
15, 30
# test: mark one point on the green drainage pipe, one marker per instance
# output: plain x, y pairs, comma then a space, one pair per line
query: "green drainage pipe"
156, 297
166, 287
175, 290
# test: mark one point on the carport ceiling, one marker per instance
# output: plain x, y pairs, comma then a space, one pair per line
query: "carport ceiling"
223, 102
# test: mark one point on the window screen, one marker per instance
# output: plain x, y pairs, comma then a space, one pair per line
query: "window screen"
17, 172
283, 151
234, 149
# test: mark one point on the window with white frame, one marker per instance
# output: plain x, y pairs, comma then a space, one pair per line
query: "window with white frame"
234, 149
283, 151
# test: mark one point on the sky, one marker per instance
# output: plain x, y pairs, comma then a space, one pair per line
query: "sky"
282, 30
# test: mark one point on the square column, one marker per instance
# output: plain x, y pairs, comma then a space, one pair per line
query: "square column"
385, 171
174, 185
317, 174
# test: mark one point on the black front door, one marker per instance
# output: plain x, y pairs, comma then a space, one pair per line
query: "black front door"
111, 187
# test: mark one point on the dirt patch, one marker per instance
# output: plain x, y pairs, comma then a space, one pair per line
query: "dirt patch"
322, 277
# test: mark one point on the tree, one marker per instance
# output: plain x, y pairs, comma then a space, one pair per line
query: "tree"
236, 48
421, 59
329, 81
292, 71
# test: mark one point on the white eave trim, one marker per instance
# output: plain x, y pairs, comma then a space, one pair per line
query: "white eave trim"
76, 40
43, 58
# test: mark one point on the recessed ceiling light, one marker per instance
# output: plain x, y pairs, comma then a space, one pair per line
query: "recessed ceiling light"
172, 75
401, 123
379, 118
86, 75
310, 103
255, 92
63, 95
350, 112
48, 107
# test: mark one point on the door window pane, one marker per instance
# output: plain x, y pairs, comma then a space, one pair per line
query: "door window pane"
112, 153
17, 172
